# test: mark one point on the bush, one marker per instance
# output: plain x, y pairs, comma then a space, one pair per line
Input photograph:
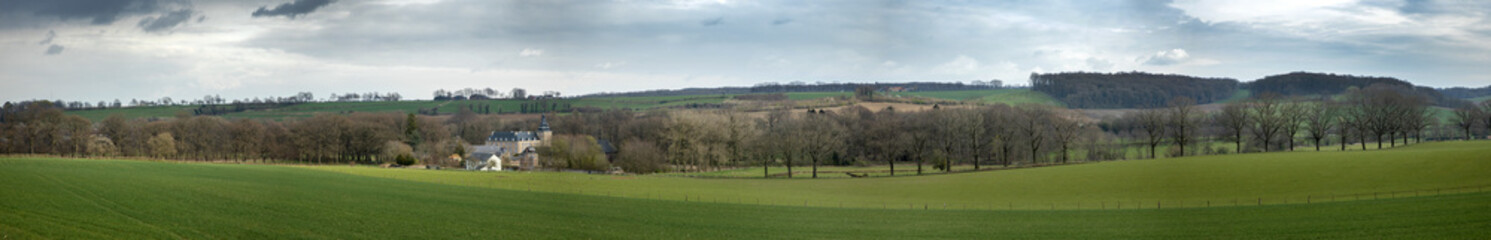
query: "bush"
637, 156
405, 160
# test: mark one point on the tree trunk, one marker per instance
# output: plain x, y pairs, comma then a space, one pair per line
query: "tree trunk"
1317, 144
789, 167
975, 161
815, 166
765, 170
1239, 141
1063, 153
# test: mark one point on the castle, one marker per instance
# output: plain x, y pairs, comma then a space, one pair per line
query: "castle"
510, 150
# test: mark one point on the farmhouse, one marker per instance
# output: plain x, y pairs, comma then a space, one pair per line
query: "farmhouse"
510, 150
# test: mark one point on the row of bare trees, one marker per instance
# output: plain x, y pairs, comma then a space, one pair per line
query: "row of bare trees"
326, 138
938, 139
687, 140
1270, 122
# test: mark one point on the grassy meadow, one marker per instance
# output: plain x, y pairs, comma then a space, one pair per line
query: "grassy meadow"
101, 199
1275, 178
112, 199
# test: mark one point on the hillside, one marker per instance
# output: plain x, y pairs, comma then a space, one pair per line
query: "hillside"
507, 106
1130, 89
1325, 84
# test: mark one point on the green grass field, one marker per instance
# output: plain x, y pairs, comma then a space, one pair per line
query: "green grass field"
1275, 177
92, 199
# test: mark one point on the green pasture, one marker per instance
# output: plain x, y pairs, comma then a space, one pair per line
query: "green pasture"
125, 199
901, 169
1270, 178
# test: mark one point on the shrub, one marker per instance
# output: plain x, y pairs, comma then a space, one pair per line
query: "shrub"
405, 160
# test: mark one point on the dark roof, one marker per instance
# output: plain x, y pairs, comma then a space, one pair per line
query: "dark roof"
543, 123
605, 146
487, 149
481, 155
512, 136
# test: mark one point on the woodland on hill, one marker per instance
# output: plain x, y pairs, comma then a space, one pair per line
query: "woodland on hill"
1130, 89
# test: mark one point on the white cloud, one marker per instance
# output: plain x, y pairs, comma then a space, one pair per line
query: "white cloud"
531, 52
1171, 57
961, 65
1217, 11
609, 65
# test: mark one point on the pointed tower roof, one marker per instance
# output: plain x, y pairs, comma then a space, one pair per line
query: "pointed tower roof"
543, 123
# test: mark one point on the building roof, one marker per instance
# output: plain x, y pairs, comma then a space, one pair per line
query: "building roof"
606, 146
543, 123
512, 136
482, 155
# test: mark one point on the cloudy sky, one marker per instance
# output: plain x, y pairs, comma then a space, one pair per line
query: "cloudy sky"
94, 50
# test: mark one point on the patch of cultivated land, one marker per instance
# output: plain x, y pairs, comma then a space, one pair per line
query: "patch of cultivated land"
92, 199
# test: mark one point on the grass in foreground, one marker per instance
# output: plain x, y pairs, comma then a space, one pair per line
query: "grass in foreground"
1276, 178
101, 199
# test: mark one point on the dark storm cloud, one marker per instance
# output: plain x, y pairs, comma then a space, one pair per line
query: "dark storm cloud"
291, 9
98, 12
165, 21
54, 49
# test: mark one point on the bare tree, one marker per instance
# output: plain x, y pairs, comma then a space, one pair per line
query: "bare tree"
1267, 118
1065, 132
1320, 118
1293, 116
1182, 117
1234, 122
1034, 126
1151, 123
1466, 118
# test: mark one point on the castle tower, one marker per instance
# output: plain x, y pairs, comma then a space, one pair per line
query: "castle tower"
543, 129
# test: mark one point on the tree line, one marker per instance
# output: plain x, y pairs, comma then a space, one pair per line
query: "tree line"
926, 140
703, 140
357, 138
1129, 89
1325, 84
1272, 122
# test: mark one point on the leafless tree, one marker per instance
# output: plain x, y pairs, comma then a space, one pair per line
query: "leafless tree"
1467, 118
1267, 118
1320, 119
1234, 119
1182, 121
1151, 123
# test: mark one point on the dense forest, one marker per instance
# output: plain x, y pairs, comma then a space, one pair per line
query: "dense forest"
1463, 92
773, 87
1306, 83
1129, 89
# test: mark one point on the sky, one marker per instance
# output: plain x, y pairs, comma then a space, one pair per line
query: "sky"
92, 50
